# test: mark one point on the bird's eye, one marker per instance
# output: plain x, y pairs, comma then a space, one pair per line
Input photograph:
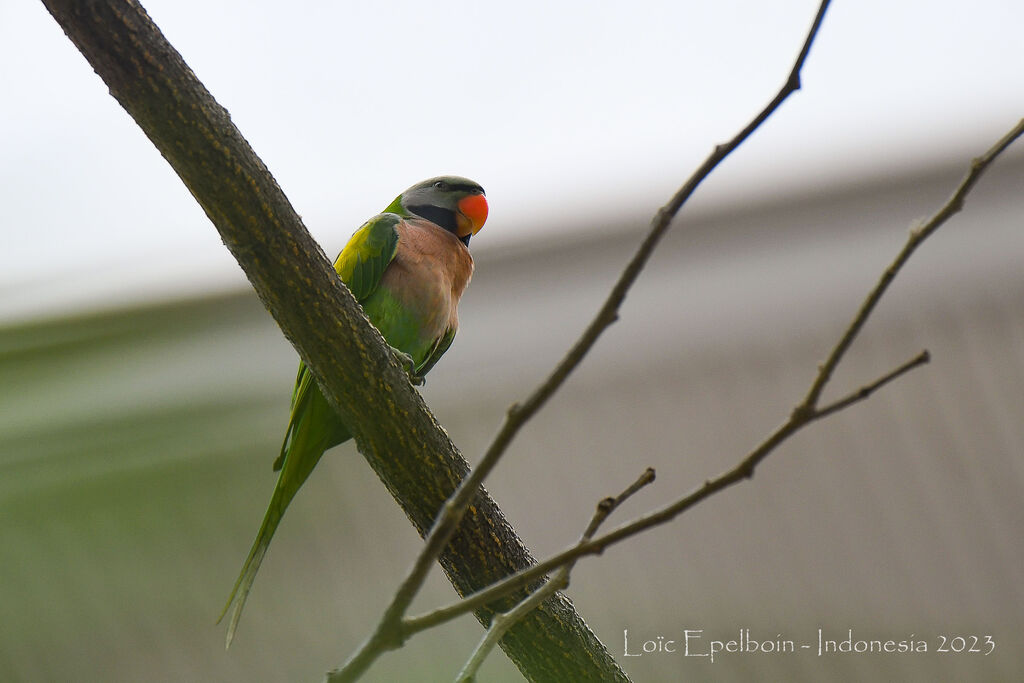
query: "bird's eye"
441, 185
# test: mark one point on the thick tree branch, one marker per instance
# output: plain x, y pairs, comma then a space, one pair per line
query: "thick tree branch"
392, 426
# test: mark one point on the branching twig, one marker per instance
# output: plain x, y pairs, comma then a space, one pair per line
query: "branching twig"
804, 414
501, 623
743, 470
390, 631
917, 236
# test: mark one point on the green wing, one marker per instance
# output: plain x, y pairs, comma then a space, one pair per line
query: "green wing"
362, 262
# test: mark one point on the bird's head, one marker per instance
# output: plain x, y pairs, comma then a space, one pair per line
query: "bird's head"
455, 204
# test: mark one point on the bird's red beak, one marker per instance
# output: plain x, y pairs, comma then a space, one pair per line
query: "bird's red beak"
472, 215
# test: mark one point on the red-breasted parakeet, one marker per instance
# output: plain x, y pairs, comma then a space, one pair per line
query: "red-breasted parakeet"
407, 267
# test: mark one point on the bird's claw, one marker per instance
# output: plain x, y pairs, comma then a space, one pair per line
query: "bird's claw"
409, 365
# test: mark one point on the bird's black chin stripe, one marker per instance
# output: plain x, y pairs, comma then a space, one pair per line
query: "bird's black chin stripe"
465, 240
435, 214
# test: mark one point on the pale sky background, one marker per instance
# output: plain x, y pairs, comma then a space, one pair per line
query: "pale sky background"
564, 112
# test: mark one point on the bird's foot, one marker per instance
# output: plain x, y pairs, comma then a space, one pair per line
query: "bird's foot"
406, 361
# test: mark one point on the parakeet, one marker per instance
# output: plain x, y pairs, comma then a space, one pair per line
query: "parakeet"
407, 267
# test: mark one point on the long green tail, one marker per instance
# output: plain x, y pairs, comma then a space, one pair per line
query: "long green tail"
300, 461
313, 428
275, 511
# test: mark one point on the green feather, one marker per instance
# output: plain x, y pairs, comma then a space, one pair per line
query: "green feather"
362, 262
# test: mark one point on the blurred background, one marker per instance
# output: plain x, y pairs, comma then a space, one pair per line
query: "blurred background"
144, 390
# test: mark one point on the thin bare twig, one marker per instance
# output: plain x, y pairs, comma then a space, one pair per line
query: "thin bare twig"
917, 236
390, 631
867, 390
743, 470
501, 623
805, 413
